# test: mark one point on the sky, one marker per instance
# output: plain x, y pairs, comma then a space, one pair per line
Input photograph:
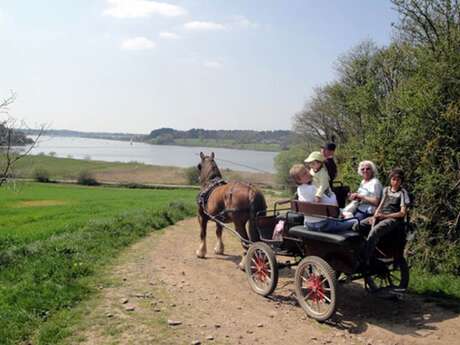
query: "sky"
136, 65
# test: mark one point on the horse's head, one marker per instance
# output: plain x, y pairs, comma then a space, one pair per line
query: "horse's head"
208, 168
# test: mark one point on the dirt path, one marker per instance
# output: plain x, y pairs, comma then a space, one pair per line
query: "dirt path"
161, 279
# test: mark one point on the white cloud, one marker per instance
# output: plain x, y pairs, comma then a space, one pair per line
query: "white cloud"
213, 64
141, 8
203, 26
169, 35
137, 43
243, 22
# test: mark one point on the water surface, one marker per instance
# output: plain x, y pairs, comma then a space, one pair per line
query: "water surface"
181, 156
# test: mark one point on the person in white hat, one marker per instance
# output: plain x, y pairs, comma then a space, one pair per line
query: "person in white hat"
320, 176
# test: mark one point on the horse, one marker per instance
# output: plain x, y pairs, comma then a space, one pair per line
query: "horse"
234, 201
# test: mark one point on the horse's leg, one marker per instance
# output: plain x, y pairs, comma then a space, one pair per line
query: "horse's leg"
240, 227
201, 252
219, 248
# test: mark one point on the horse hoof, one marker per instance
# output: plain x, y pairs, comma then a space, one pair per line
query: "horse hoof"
200, 255
219, 251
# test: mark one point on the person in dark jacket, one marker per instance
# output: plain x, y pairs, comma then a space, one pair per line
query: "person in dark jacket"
328, 151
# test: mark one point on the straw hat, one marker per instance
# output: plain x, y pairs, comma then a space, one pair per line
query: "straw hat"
314, 156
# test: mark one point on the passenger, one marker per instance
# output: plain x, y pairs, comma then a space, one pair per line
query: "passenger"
389, 214
367, 198
320, 175
306, 191
328, 151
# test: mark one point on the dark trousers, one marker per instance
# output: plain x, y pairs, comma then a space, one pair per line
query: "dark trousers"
377, 232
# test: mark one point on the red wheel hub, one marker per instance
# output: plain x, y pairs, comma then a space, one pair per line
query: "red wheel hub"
261, 269
315, 285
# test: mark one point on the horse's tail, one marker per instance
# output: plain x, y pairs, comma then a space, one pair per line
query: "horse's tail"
257, 207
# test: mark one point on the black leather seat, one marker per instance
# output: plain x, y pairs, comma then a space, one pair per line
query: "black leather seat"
301, 231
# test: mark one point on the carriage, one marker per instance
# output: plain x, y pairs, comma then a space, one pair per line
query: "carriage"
322, 258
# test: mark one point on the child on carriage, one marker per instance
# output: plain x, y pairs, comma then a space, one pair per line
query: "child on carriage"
389, 215
307, 191
320, 175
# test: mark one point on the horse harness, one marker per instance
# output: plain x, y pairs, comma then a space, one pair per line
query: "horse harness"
203, 197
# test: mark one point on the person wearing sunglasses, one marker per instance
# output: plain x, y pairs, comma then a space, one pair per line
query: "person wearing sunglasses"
366, 199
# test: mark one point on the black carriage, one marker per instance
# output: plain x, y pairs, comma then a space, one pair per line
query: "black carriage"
321, 258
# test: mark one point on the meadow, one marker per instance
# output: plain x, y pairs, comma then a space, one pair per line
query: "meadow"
54, 239
125, 173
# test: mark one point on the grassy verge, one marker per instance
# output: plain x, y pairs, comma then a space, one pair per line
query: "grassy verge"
442, 285
47, 270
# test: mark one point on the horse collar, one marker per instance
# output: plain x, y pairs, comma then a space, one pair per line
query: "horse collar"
203, 196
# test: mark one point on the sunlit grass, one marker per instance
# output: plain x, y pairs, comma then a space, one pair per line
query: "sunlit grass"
54, 239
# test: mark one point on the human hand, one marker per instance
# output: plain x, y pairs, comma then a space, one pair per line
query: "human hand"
317, 199
379, 216
352, 196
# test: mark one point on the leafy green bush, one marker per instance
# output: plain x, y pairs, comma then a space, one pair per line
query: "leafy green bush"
192, 175
87, 178
400, 106
283, 163
41, 175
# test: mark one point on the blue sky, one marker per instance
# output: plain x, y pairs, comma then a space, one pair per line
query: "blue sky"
136, 65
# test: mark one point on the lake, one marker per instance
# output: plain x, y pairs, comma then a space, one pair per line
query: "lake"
181, 156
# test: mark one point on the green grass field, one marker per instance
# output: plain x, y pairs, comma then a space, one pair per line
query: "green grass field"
37, 211
55, 238
117, 172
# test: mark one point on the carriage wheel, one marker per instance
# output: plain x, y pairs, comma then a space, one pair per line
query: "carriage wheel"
315, 288
261, 268
395, 276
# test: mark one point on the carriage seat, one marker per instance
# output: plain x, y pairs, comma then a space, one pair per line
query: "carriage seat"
315, 209
302, 232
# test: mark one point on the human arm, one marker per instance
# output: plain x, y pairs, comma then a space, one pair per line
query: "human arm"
373, 200
369, 192
323, 179
377, 212
395, 215
403, 204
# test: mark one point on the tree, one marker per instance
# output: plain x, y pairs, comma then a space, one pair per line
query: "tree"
431, 23
10, 139
400, 106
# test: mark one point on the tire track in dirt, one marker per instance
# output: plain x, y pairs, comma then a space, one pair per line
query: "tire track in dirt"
212, 298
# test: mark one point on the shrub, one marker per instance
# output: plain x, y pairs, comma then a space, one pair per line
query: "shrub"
192, 175
87, 178
41, 175
284, 161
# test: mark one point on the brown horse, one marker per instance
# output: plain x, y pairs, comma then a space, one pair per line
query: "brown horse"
236, 202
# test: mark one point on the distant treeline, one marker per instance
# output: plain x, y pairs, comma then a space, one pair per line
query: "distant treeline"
240, 139
93, 135
277, 139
